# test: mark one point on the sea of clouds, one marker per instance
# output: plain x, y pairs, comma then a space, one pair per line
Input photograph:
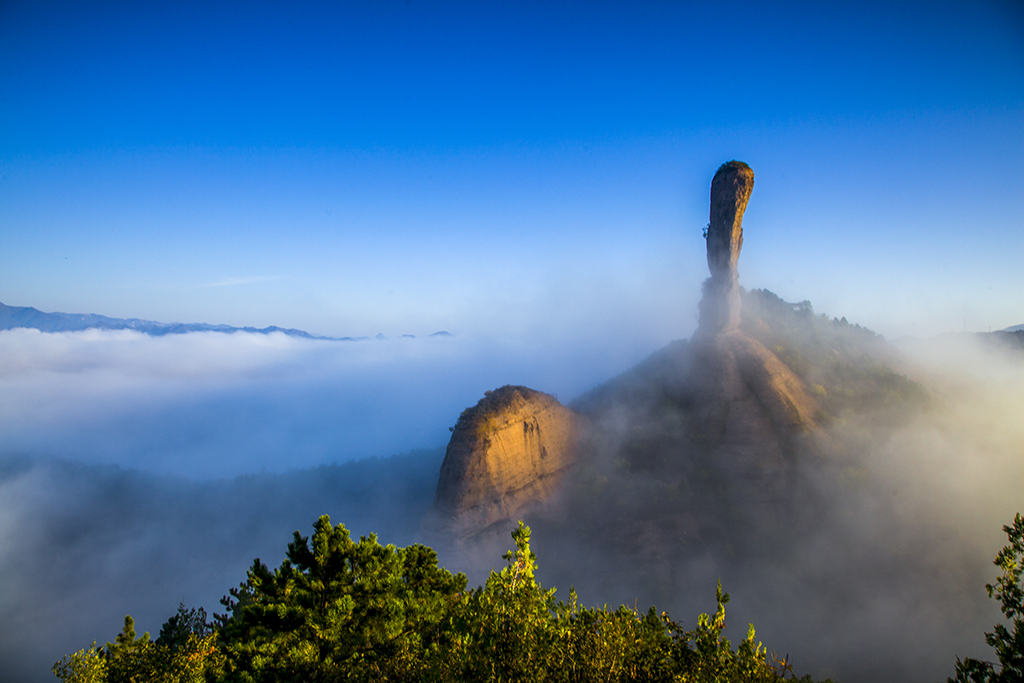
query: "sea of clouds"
207, 405
139, 472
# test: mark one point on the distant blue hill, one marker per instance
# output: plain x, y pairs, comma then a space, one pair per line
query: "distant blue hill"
12, 317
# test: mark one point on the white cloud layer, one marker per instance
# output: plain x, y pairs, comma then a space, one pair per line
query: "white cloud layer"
212, 405
895, 568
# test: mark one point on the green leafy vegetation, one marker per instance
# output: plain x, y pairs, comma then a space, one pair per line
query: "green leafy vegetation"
193, 659
344, 610
1009, 590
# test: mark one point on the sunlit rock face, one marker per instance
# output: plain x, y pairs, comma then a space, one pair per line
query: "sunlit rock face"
730, 192
506, 454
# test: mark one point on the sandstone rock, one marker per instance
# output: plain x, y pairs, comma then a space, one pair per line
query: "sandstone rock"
505, 454
730, 192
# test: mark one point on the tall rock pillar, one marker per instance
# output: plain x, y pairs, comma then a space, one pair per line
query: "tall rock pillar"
730, 191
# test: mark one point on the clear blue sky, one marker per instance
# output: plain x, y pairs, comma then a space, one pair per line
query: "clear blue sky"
509, 169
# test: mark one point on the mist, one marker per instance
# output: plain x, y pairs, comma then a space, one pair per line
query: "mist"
888, 583
870, 567
137, 472
82, 545
142, 472
207, 405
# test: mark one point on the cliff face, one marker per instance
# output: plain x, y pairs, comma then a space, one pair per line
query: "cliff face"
505, 454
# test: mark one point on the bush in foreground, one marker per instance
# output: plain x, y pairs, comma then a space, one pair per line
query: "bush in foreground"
341, 610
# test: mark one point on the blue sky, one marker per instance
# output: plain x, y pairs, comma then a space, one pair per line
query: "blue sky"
509, 169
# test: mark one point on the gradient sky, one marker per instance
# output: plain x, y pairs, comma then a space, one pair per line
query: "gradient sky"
530, 176
509, 169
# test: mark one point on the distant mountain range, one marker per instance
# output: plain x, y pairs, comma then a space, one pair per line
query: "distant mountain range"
12, 317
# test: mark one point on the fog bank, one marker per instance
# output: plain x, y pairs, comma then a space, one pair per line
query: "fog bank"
878, 574
872, 566
207, 405
83, 545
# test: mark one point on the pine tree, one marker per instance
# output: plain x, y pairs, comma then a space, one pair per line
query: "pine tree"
1009, 590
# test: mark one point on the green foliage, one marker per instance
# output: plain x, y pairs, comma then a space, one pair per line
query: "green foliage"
136, 660
507, 620
339, 610
85, 666
186, 622
1009, 590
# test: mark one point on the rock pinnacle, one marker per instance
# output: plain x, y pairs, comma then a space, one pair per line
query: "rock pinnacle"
730, 191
